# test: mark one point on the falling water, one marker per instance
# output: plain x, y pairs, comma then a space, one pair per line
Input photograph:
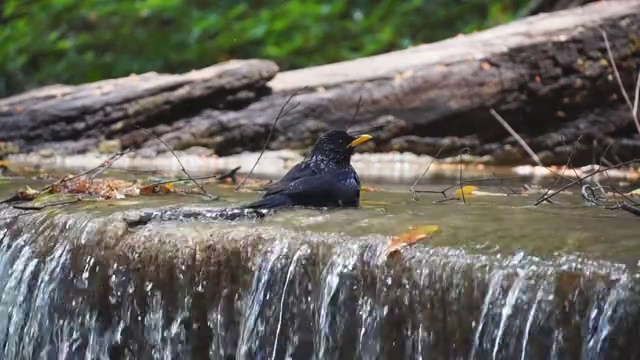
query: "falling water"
77, 286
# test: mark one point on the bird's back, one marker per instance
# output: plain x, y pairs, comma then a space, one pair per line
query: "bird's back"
316, 185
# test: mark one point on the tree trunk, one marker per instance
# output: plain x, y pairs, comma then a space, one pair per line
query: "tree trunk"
548, 75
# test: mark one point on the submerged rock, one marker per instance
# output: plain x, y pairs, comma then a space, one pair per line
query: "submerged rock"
86, 285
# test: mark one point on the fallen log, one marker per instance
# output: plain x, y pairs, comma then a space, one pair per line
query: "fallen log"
74, 119
548, 75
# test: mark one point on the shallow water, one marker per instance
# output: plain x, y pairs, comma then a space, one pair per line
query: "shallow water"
501, 280
485, 224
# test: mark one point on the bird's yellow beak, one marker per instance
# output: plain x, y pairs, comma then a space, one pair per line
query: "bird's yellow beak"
359, 140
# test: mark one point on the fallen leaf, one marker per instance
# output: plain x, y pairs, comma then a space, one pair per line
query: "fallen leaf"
410, 237
466, 190
27, 193
157, 189
368, 188
634, 193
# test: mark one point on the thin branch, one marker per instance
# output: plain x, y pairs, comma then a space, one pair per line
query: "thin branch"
107, 164
600, 170
354, 114
271, 131
231, 174
469, 181
636, 100
516, 136
40, 207
625, 196
633, 108
182, 168
630, 208
182, 179
364, 130
503, 186
520, 140
415, 183
568, 164
465, 150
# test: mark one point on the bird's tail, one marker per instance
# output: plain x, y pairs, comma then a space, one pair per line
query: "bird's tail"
271, 202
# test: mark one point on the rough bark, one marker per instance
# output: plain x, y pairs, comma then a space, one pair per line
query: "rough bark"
76, 118
548, 75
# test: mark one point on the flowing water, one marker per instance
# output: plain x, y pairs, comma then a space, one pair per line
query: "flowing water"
501, 280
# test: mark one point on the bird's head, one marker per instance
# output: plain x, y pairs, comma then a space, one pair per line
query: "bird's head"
337, 145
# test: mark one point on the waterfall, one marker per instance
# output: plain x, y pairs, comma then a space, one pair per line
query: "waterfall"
85, 286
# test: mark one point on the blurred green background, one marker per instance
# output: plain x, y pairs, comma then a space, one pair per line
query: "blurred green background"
75, 41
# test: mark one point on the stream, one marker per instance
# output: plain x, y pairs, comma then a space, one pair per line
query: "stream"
501, 280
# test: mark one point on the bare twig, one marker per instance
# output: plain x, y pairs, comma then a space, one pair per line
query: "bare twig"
182, 168
568, 164
635, 210
231, 174
636, 97
271, 131
182, 179
354, 114
632, 107
465, 150
599, 170
520, 140
415, 183
107, 164
468, 181
40, 207
517, 137
503, 186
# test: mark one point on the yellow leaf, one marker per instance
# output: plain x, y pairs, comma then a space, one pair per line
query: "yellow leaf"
466, 190
635, 192
410, 237
367, 188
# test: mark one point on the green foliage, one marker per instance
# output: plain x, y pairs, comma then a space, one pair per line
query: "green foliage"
75, 41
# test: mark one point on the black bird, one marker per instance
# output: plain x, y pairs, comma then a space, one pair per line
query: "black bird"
324, 179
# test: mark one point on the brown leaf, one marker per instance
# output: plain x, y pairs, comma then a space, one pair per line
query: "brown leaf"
157, 189
410, 237
27, 194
